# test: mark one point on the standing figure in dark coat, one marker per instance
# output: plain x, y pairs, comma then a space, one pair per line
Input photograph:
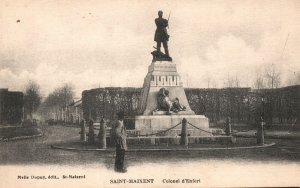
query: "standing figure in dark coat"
120, 140
161, 35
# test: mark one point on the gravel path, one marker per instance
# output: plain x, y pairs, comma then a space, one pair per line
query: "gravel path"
38, 151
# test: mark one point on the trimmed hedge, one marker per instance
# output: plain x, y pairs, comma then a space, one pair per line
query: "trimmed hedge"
243, 105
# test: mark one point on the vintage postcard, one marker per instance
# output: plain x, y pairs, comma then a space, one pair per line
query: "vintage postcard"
99, 93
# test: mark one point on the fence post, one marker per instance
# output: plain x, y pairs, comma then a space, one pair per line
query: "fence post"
82, 133
260, 133
184, 140
228, 126
102, 135
91, 139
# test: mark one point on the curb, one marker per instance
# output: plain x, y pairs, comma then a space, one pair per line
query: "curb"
269, 137
179, 149
21, 137
7, 127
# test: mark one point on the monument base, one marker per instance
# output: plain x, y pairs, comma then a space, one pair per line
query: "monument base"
159, 113
156, 123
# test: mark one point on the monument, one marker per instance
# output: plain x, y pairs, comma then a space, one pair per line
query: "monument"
164, 102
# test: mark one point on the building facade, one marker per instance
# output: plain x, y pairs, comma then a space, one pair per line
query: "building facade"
11, 107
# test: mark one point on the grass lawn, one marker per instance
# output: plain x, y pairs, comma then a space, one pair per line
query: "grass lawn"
18, 131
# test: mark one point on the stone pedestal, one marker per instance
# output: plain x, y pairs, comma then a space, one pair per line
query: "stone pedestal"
156, 123
164, 75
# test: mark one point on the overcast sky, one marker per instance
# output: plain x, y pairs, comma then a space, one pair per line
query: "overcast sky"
108, 43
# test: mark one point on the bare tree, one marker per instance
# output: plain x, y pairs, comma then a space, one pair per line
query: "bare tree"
65, 95
236, 81
208, 80
272, 76
229, 82
57, 101
259, 82
32, 98
294, 79
214, 83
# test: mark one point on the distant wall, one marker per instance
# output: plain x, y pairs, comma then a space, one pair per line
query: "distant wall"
243, 105
11, 107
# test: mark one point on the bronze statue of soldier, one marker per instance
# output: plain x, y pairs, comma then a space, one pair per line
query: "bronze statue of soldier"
161, 36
